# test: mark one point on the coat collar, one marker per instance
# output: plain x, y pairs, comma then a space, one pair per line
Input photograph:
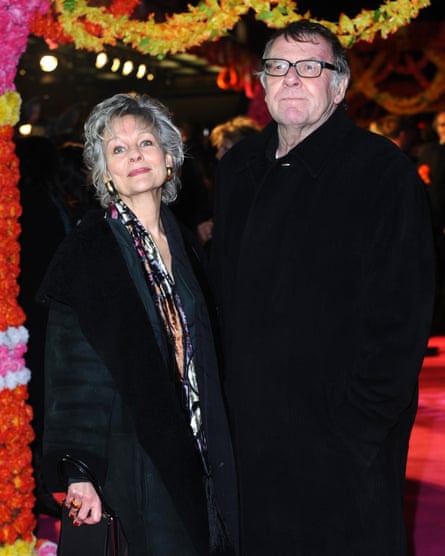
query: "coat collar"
258, 152
312, 151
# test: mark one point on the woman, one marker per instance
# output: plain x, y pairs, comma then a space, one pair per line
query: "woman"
132, 384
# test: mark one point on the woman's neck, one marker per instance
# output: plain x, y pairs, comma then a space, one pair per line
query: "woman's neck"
147, 209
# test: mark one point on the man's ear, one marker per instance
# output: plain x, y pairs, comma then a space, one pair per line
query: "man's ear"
341, 91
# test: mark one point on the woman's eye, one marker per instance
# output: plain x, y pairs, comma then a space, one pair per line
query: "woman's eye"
147, 143
118, 150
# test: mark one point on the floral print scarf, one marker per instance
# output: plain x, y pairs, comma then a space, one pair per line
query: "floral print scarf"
171, 311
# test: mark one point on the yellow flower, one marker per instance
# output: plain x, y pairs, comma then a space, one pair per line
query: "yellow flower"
93, 28
9, 108
19, 548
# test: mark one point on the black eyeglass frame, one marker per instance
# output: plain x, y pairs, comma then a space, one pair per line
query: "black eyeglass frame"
323, 65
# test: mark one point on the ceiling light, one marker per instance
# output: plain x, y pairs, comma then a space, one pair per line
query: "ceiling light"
142, 68
25, 129
150, 76
48, 62
127, 67
101, 60
116, 64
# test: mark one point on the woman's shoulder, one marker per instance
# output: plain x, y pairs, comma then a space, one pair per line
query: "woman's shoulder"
89, 223
74, 256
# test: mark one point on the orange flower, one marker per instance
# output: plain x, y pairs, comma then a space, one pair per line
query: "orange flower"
17, 520
424, 173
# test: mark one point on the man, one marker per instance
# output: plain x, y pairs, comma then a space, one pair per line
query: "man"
224, 136
431, 168
399, 130
323, 261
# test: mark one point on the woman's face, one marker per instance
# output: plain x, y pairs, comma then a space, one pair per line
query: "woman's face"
135, 161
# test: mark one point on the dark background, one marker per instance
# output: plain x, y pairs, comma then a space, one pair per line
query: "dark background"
58, 102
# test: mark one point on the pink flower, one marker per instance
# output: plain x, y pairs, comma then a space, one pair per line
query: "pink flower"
15, 17
48, 548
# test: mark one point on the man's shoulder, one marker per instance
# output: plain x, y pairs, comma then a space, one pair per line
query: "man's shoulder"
371, 144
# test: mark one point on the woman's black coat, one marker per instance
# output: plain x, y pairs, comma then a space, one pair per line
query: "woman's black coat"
323, 261
110, 398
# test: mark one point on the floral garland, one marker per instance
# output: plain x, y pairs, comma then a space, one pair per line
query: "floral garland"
93, 28
17, 521
16, 479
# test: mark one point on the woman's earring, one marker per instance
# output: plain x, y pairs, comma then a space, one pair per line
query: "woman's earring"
110, 188
169, 173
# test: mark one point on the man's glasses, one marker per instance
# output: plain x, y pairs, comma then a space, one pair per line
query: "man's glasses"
277, 67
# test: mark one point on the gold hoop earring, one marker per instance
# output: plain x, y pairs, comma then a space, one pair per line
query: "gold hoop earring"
110, 188
169, 173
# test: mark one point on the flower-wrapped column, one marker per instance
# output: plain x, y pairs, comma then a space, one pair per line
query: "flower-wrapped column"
17, 521
16, 479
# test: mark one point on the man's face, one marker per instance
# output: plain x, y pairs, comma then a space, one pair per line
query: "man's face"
302, 102
440, 126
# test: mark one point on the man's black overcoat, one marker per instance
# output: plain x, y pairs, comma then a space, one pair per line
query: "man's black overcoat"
323, 261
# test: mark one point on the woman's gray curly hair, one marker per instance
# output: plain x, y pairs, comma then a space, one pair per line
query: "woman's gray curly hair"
147, 109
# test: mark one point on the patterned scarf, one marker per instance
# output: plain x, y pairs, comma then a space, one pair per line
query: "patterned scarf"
169, 305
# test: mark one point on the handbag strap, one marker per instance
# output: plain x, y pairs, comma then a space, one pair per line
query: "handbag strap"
85, 471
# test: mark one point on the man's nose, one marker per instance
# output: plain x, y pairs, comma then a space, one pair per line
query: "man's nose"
292, 75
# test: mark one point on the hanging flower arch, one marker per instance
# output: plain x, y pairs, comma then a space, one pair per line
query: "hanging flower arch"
93, 28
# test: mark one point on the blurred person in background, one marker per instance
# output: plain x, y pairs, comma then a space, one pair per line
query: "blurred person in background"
76, 182
222, 137
192, 205
225, 135
431, 168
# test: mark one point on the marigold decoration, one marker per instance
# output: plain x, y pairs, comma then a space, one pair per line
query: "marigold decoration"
9, 108
17, 521
93, 28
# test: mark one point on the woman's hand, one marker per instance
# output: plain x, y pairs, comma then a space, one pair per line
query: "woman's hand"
84, 503
204, 231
